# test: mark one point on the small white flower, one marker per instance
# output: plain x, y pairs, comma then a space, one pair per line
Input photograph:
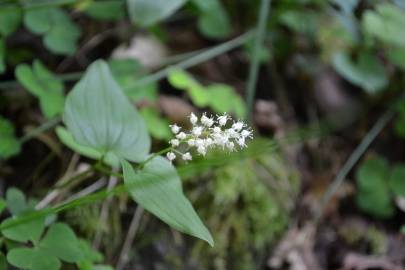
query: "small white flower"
223, 119
191, 142
246, 133
230, 146
174, 142
232, 133
208, 142
210, 133
207, 121
237, 126
216, 130
199, 142
193, 119
241, 142
197, 131
187, 156
202, 150
181, 136
171, 156
175, 128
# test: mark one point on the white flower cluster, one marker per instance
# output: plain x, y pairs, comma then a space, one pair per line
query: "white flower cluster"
209, 132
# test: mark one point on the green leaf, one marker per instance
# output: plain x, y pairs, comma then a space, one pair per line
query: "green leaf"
60, 33
214, 21
106, 10
3, 262
157, 125
61, 242
148, 12
102, 267
100, 116
219, 97
224, 99
16, 202
30, 230
397, 56
67, 138
3, 205
157, 188
2, 55
10, 19
400, 121
184, 81
373, 196
88, 254
40, 82
386, 23
33, 259
397, 180
9, 144
367, 72
127, 72
305, 22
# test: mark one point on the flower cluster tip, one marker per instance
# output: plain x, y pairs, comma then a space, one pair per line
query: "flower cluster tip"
207, 133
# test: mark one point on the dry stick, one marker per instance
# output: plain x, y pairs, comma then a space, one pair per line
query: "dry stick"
129, 239
73, 181
353, 159
112, 182
88, 190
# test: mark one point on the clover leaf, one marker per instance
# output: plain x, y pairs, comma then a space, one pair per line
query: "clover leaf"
59, 243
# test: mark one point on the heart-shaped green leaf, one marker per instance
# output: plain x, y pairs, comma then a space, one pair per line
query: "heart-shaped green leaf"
157, 125
106, 10
386, 23
30, 230
10, 19
66, 137
16, 202
61, 242
397, 180
157, 188
148, 12
214, 21
100, 116
33, 259
9, 144
44, 85
373, 194
367, 72
60, 33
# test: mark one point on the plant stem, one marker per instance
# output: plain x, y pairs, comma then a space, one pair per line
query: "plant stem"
353, 159
254, 66
195, 60
129, 239
42, 128
161, 152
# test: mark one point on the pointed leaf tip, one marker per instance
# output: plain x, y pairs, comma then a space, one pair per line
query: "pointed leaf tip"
157, 188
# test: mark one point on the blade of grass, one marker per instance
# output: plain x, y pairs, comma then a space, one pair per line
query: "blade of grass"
195, 58
254, 65
352, 160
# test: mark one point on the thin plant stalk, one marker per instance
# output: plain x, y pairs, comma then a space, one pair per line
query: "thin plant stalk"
254, 65
352, 160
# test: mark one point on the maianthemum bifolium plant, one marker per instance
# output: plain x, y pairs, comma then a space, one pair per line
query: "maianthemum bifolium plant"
103, 124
